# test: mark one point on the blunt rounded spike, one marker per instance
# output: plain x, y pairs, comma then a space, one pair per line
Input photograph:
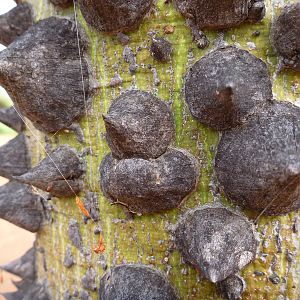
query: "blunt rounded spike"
135, 281
15, 22
14, 157
285, 34
11, 118
150, 186
20, 206
41, 72
113, 16
220, 14
23, 267
47, 177
258, 165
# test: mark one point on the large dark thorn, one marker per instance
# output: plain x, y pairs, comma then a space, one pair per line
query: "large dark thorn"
41, 71
10, 117
47, 175
258, 164
23, 267
14, 157
20, 206
15, 22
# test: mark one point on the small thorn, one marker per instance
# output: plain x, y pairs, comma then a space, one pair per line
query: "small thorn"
10, 118
20, 206
15, 22
47, 175
23, 267
14, 157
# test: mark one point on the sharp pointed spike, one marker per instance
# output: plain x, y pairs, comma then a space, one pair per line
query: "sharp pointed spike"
14, 157
47, 177
28, 290
20, 206
10, 117
13, 296
23, 267
15, 22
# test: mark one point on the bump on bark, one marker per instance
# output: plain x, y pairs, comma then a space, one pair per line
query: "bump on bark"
232, 287
47, 177
75, 235
20, 206
84, 295
113, 16
88, 281
221, 14
23, 267
15, 22
216, 241
139, 125
135, 282
285, 36
149, 186
41, 73
69, 259
223, 88
161, 49
10, 118
258, 164
14, 157
92, 205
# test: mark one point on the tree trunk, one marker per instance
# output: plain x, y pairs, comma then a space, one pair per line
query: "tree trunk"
275, 273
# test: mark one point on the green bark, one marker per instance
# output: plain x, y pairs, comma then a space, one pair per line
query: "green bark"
146, 239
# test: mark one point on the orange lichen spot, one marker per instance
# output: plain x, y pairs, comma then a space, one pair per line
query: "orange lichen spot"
101, 247
82, 208
168, 29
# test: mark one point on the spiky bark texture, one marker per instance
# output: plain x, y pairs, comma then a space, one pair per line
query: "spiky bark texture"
275, 274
